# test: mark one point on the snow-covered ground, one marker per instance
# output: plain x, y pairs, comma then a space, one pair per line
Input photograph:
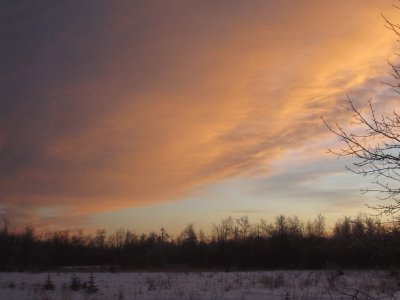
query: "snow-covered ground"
203, 285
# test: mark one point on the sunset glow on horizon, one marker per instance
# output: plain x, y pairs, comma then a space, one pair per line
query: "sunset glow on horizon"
150, 114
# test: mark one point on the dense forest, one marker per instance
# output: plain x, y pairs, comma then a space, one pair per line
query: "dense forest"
234, 244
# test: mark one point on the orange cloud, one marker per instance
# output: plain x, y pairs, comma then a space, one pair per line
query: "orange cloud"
149, 102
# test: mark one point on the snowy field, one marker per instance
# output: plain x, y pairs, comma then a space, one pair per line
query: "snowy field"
201, 285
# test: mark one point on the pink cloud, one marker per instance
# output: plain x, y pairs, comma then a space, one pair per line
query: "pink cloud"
147, 103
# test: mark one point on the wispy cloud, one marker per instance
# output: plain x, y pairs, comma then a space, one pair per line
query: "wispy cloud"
136, 103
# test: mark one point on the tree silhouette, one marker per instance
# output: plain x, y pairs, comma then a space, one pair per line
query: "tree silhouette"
287, 242
375, 143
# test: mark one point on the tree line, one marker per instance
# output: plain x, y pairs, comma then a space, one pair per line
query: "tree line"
233, 244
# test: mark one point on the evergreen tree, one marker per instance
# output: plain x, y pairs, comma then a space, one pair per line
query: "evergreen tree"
91, 286
75, 283
48, 285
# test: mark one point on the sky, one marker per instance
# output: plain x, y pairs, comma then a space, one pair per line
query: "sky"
150, 114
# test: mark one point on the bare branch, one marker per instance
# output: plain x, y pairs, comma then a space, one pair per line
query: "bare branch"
375, 145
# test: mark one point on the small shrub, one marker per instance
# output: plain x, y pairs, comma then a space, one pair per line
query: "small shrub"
112, 269
179, 292
91, 286
311, 279
335, 279
121, 294
48, 285
395, 275
273, 281
11, 285
151, 284
75, 283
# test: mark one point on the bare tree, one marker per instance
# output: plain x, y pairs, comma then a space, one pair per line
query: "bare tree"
375, 143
